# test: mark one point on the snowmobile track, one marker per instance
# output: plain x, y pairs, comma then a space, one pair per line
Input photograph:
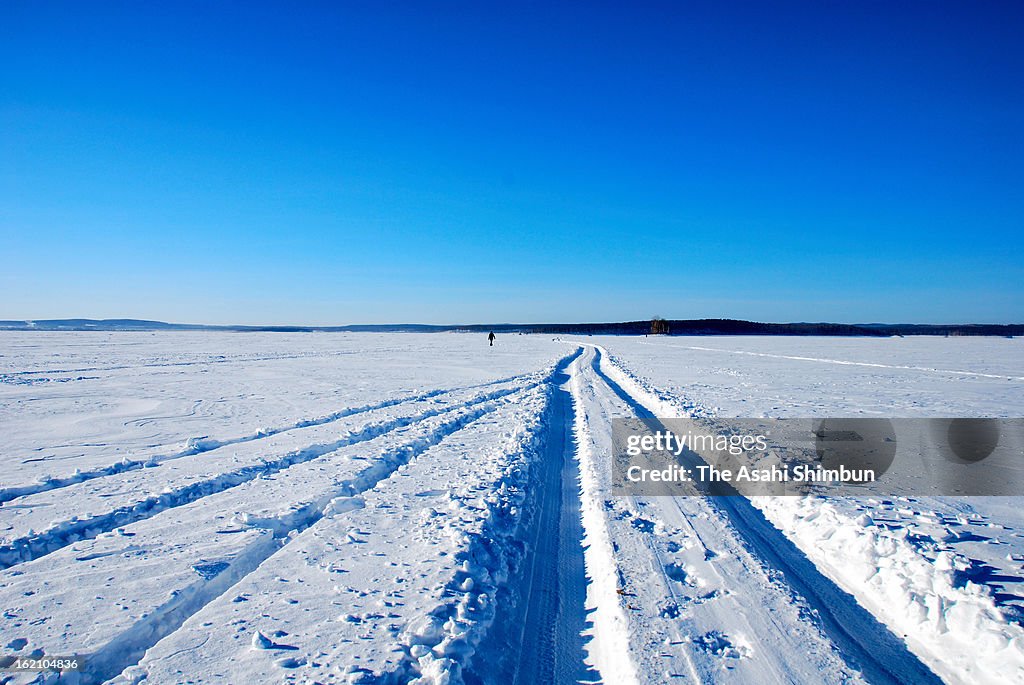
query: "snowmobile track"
62, 534
864, 642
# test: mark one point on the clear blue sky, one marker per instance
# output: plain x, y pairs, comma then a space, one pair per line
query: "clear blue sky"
430, 162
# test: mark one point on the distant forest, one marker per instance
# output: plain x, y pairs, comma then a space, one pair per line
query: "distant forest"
655, 326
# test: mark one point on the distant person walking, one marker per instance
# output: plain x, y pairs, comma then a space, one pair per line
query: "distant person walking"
490, 338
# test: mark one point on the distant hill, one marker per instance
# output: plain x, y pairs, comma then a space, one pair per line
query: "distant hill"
674, 327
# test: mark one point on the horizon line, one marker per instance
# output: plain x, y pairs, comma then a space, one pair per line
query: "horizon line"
130, 320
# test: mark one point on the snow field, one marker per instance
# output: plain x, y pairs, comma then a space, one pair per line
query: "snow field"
74, 403
396, 585
422, 508
112, 631
955, 627
918, 585
697, 604
49, 520
124, 557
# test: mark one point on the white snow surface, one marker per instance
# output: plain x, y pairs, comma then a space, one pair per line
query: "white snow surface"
943, 572
205, 507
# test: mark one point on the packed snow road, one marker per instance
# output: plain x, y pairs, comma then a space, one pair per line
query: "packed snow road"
736, 601
364, 508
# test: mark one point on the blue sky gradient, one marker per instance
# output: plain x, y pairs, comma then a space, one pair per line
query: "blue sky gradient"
332, 163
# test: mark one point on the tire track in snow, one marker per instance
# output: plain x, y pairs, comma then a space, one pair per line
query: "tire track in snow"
36, 545
204, 444
538, 628
608, 647
614, 646
865, 642
453, 463
128, 649
676, 601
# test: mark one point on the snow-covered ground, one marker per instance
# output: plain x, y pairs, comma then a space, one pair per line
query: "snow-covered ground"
944, 573
272, 507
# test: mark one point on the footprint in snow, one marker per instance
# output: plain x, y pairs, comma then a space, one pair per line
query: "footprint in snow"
670, 610
678, 574
643, 525
706, 597
721, 645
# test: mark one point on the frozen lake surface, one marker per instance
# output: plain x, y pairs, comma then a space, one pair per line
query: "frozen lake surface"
274, 507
